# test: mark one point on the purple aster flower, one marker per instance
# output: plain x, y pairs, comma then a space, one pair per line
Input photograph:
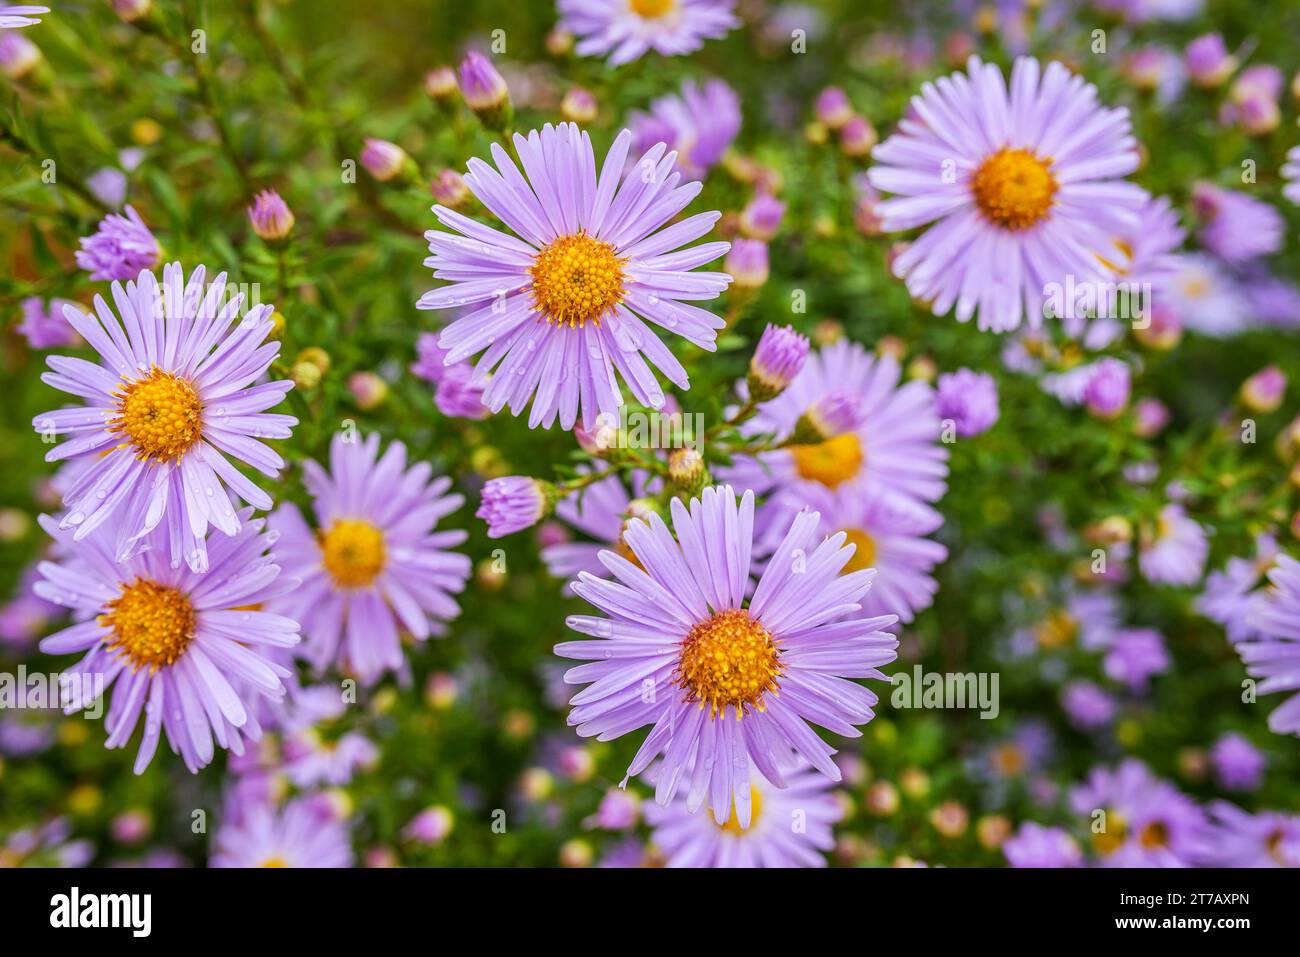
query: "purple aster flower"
13, 17
376, 562
1234, 226
1208, 61
514, 503
298, 835
1087, 706
312, 761
789, 826
1238, 764
1231, 595
1037, 846
1291, 173
1241, 839
1107, 389
683, 652
1148, 254
894, 449
1022, 188
561, 310
1147, 822
1273, 656
171, 398
45, 328
779, 357
181, 645
46, 845
1134, 655
888, 533
1205, 298
626, 29
699, 125
969, 399
457, 392
1173, 553
120, 249
1272, 301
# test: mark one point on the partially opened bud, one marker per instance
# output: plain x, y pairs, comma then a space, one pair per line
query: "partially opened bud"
828, 417
485, 90
1263, 392
129, 11
514, 503
858, 137
271, 216
747, 263
777, 360
19, 56
687, 472
440, 84
385, 161
449, 188
762, 217
833, 108
578, 105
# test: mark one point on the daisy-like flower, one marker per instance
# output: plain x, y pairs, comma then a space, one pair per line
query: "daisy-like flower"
969, 399
1241, 839
1234, 226
301, 834
1022, 188
189, 649
1173, 552
457, 392
627, 29
789, 826
375, 563
887, 533
1134, 655
120, 249
563, 308
1273, 655
1231, 595
1037, 846
1147, 822
730, 687
13, 17
699, 124
1238, 764
313, 761
172, 397
1205, 298
45, 328
893, 448
1148, 254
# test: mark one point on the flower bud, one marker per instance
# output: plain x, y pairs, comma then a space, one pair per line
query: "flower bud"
747, 263
778, 359
1263, 392
485, 91
578, 106
271, 216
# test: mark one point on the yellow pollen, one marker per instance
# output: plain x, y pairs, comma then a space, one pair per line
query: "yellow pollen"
864, 554
1123, 261
160, 414
652, 9
1014, 189
576, 280
353, 552
831, 462
729, 661
755, 811
1195, 286
152, 624
274, 862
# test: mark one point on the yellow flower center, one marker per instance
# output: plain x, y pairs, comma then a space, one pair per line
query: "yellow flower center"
1013, 188
755, 812
864, 554
728, 661
353, 552
1008, 759
1122, 262
161, 414
831, 462
274, 861
576, 279
152, 624
653, 9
